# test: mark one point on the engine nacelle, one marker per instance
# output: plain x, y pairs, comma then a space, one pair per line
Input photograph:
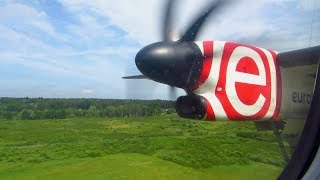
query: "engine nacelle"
191, 106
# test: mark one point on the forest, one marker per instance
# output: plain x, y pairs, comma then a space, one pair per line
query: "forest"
59, 108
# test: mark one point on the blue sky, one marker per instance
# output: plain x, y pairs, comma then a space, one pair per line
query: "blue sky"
79, 48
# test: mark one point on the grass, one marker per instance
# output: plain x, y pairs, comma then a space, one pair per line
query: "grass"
135, 166
107, 147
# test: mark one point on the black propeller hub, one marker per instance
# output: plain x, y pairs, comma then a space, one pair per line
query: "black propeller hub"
174, 63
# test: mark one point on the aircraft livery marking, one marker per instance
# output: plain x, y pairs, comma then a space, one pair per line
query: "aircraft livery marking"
239, 82
301, 97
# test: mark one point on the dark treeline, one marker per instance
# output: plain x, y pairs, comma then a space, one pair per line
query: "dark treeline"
45, 108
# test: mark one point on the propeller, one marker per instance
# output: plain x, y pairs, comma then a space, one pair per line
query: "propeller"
193, 30
172, 93
176, 60
168, 30
135, 77
169, 33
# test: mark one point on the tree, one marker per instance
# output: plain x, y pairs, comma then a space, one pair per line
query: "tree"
60, 114
109, 111
7, 115
39, 114
46, 108
93, 112
70, 113
27, 114
50, 114
80, 113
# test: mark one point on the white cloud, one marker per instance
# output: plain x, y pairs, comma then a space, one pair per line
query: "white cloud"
310, 4
92, 65
19, 42
124, 14
87, 91
25, 15
242, 20
90, 30
259, 23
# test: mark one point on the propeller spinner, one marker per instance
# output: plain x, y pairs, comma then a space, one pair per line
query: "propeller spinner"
174, 63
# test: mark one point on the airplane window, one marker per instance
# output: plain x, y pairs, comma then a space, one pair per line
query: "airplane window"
206, 89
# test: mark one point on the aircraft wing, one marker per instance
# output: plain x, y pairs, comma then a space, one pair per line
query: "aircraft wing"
301, 57
298, 70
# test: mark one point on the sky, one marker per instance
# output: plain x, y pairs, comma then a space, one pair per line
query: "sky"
81, 48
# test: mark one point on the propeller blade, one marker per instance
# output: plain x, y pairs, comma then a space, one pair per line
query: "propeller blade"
168, 31
193, 30
135, 77
140, 89
172, 93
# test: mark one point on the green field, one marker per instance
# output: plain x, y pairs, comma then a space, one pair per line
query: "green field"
164, 147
